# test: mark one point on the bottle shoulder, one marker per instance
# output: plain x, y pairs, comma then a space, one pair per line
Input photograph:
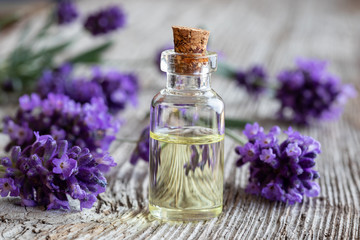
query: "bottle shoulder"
166, 95
191, 98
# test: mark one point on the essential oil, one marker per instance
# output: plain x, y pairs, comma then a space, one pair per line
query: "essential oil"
186, 173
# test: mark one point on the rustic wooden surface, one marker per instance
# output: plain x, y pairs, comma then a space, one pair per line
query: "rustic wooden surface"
268, 32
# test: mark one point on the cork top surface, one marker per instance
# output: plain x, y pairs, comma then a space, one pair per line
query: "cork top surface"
190, 40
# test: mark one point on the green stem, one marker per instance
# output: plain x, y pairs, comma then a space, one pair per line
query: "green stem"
236, 123
225, 70
49, 21
2, 171
234, 136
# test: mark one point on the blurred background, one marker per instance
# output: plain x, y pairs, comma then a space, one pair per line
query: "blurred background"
269, 33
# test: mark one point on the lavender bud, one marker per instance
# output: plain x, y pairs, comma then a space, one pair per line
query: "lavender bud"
306, 175
6, 162
15, 153
307, 162
310, 155
49, 149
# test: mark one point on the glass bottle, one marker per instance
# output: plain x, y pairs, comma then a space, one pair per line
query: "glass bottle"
186, 141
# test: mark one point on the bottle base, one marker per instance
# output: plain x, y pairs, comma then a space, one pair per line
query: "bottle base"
171, 214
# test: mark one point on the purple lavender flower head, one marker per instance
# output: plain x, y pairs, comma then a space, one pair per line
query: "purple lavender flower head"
118, 88
115, 88
105, 21
66, 12
309, 92
82, 90
86, 125
142, 150
280, 171
254, 79
47, 172
55, 81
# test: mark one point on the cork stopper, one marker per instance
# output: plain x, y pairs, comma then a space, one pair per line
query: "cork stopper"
190, 40
190, 43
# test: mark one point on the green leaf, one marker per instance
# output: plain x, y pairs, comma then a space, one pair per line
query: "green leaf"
18, 56
91, 56
27, 66
25, 56
234, 136
24, 65
51, 50
225, 70
236, 123
49, 21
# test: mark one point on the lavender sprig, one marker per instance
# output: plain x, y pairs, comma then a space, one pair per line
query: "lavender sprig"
280, 171
254, 79
47, 172
309, 92
115, 88
119, 89
142, 149
105, 21
55, 81
88, 125
66, 12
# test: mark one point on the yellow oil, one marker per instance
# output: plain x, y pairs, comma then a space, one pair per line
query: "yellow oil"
186, 174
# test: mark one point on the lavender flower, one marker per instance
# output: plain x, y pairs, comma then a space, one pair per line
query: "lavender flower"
64, 166
118, 88
88, 125
254, 79
55, 81
66, 12
280, 171
309, 92
115, 88
105, 21
142, 150
47, 173
82, 90
7, 186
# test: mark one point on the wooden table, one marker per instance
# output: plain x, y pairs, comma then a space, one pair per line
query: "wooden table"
269, 32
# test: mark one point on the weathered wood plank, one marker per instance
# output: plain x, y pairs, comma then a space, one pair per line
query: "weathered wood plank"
269, 32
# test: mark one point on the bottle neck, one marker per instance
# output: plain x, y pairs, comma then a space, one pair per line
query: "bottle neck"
178, 82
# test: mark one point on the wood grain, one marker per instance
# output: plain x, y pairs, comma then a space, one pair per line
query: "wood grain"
268, 32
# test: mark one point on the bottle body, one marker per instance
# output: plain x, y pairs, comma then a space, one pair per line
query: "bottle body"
186, 150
